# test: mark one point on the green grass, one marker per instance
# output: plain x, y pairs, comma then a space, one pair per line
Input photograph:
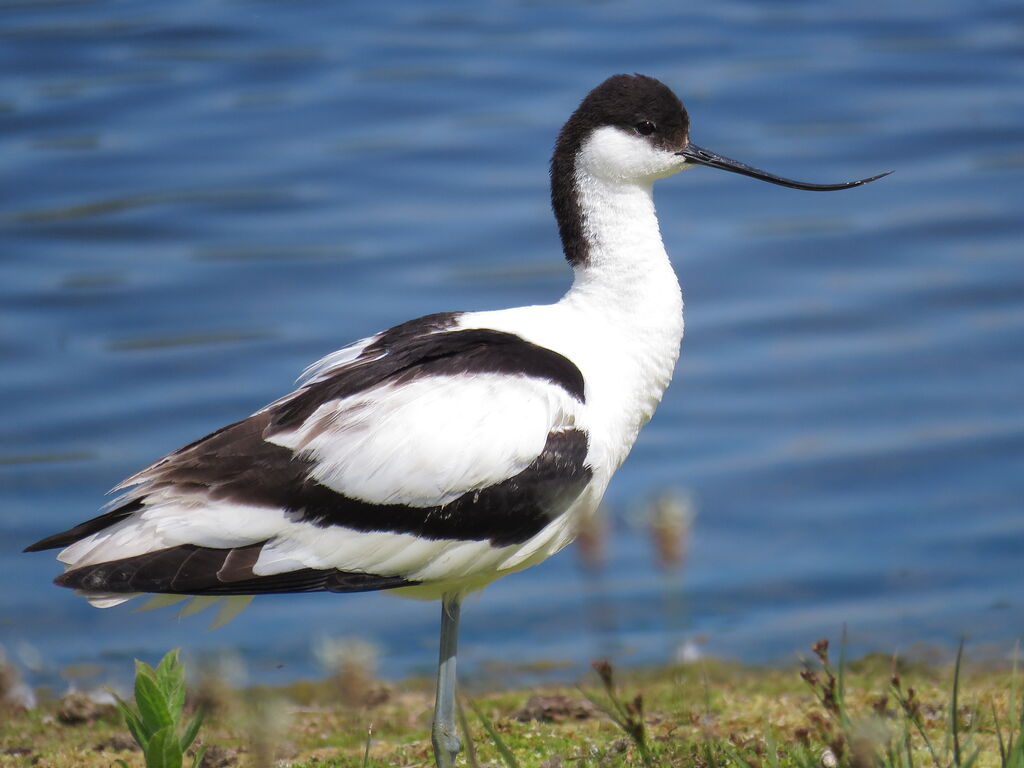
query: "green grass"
874, 712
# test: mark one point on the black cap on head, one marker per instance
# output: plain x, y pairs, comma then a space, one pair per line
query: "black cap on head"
631, 102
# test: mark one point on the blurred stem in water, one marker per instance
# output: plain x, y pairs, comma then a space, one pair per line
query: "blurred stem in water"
670, 522
591, 548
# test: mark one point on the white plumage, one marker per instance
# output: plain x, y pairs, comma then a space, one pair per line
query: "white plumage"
430, 441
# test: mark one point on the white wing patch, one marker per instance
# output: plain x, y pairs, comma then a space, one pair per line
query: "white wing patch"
426, 442
174, 519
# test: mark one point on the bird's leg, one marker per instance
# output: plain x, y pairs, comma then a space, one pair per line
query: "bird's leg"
443, 733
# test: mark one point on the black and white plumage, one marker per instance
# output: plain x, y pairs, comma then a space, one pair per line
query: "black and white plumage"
436, 456
426, 455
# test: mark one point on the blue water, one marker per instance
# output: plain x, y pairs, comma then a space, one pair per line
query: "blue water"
200, 198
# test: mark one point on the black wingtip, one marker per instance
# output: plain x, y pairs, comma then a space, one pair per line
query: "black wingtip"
89, 527
50, 542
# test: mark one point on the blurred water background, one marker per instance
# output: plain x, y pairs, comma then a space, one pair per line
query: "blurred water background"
202, 197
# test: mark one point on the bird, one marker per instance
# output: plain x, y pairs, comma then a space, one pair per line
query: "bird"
438, 455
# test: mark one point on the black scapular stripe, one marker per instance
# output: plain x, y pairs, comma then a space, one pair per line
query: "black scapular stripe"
510, 512
193, 570
238, 465
411, 329
448, 353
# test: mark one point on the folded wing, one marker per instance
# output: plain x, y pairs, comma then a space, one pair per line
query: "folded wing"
427, 453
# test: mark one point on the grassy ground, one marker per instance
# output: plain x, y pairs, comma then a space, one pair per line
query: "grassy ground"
705, 715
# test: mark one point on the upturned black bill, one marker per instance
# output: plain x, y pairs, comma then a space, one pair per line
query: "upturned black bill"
701, 156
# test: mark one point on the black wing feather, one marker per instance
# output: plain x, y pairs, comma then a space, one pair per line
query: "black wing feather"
193, 570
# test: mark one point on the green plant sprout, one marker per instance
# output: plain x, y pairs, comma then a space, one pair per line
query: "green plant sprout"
156, 720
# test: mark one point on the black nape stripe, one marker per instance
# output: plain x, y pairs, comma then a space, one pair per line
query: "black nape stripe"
192, 570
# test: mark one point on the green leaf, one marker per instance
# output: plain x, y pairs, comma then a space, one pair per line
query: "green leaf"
191, 731
170, 677
142, 668
197, 758
152, 704
163, 750
168, 663
133, 721
471, 760
499, 743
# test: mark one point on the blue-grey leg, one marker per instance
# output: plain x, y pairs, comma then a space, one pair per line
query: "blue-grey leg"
444, 733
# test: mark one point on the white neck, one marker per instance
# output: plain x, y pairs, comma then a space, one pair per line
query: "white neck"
621, 321
626, 257
629, 296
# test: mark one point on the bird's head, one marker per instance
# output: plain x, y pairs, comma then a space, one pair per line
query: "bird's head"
633, 128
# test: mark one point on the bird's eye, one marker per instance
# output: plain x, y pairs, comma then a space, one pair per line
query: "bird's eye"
645, 127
